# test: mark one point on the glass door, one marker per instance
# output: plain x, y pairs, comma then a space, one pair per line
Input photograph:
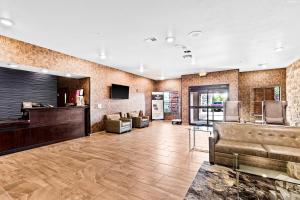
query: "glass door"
206, 104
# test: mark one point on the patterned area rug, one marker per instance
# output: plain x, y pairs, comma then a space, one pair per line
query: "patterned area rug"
217, 182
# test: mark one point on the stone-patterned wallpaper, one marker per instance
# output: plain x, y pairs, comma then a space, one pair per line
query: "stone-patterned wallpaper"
254, 79
101, 77
170, 85
230, 77
293, 93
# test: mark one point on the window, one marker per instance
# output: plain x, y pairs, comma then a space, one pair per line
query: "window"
277, 93
167, 104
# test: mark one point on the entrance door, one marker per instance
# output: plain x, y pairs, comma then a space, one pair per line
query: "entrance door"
206, 104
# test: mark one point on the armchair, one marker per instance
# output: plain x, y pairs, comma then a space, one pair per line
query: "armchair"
232, 111
275, 112
115, 124
138, 120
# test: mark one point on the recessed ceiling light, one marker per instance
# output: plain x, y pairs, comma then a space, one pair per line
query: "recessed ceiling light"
45, 71
170, 39
13, 65
195, 33
203, 73
162, 78
142, 68
278, 49
263, 65
6, 22
150, 39
102, 56
68, 75
193, 61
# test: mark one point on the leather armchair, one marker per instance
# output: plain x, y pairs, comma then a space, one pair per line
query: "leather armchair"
115, 124
138, 120
275, 112
232, 111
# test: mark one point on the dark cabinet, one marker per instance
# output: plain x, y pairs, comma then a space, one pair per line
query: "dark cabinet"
45, 126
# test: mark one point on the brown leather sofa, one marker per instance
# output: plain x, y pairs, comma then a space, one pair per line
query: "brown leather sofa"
114, 123
257, 145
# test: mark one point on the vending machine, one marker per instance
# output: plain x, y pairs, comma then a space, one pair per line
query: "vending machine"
157, 105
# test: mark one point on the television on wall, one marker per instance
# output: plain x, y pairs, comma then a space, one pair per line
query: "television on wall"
119, 91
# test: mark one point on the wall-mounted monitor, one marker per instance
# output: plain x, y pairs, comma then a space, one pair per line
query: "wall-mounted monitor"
119, 91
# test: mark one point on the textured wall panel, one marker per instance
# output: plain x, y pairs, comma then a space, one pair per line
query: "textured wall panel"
17, 86
254, 79
101, 77
293, 92
230, 77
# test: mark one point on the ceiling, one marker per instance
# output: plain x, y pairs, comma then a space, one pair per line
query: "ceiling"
235, 34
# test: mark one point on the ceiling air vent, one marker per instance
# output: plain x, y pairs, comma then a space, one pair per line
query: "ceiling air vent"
151, 39
187, 54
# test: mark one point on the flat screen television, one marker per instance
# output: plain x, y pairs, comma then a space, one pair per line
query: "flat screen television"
119, 91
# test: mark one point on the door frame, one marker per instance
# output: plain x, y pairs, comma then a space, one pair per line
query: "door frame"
207, 88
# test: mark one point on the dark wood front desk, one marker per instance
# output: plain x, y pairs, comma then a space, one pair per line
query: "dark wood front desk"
44, 126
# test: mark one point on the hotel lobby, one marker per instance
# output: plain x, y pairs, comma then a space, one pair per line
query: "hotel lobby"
115, 100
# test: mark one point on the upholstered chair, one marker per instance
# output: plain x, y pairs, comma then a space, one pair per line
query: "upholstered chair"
232, 111
114, 123
138, 120
275, 112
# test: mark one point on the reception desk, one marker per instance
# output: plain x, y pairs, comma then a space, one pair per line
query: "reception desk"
43, 126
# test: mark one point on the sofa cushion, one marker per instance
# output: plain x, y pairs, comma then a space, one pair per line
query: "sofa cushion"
126, 123
113, 116
275, 120
232, 118
283, 153
134, 114
258, 134
230, 147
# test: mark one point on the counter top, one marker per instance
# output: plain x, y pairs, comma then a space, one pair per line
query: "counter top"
54, 108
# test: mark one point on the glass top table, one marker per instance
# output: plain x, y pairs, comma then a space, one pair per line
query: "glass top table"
283, 182
192, 137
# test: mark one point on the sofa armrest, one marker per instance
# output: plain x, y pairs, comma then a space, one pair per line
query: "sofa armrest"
215, 135
212, 141
146, 117
123, 119
112, 125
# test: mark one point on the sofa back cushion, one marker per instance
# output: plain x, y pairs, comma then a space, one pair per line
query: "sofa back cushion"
259, 134
134, 114
113, 117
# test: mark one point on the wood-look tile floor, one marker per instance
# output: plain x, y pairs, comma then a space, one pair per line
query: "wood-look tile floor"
150, 163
